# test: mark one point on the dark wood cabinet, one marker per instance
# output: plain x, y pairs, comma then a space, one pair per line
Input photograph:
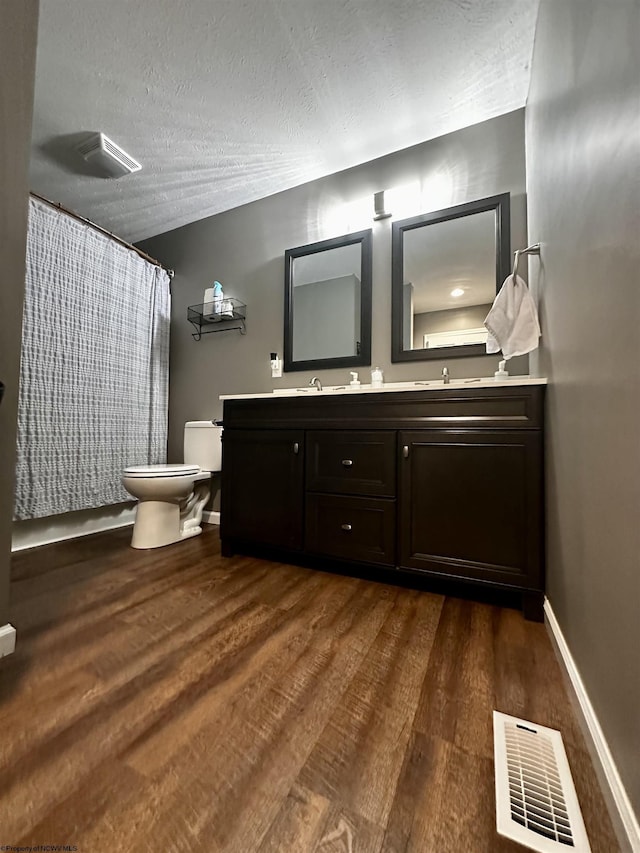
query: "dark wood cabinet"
351, 528
262, 488
350, 495
352, 462
444, 483
470, 505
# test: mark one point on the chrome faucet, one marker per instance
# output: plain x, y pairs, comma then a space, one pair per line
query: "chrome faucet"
315, 381
445, 375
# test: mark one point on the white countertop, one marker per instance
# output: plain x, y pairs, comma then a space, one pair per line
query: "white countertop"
388, 388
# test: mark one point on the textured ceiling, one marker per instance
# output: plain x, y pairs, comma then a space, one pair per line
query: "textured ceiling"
228, 101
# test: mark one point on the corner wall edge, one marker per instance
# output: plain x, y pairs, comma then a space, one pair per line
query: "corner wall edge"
627, 821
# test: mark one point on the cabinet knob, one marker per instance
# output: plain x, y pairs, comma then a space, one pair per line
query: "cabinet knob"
346, 527
405, 451
296, 447
347, 463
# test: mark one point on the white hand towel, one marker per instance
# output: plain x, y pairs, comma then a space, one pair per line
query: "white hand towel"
512, 322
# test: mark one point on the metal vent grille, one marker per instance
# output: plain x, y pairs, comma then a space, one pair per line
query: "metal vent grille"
126, 159
536, 800
115, 160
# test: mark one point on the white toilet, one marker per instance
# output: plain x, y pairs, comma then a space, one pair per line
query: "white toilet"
171, 497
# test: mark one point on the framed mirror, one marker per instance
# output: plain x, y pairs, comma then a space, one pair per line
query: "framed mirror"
327, 315
447, 267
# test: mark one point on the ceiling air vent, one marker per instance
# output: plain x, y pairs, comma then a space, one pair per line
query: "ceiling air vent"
101, 150
536, 801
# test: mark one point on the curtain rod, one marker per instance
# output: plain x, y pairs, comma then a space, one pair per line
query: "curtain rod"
102, 230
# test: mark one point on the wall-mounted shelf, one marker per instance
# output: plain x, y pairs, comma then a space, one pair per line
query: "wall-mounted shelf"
221, 315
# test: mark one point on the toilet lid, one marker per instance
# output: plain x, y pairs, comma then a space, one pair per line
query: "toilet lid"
161, 470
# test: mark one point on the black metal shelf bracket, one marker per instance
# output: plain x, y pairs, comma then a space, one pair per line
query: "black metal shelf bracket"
223, 315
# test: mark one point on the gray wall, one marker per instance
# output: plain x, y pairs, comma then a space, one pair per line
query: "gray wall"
407, 315
18, 34
244, 250
326, 318
583, 169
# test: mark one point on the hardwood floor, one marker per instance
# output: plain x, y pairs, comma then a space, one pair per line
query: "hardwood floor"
176, 700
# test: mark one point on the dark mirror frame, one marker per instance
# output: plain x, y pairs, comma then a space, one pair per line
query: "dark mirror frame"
364, 357
498, 203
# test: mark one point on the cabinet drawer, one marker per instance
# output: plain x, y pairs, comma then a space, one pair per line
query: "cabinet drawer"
355, 463
350, 528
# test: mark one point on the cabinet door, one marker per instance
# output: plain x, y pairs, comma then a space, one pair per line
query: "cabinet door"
262, 496
470, 505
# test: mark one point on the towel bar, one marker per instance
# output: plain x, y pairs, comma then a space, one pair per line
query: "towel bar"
530, 250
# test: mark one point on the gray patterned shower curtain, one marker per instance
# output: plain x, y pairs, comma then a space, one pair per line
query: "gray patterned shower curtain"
95, 367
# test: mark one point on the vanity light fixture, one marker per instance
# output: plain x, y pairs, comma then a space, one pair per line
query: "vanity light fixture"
457, 291
378, 207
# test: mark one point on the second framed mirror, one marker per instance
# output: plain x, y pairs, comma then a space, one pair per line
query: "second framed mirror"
447, 267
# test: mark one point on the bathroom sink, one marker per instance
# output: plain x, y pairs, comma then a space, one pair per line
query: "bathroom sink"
387, 386
348, 389
418, 385
327, 389
293, 392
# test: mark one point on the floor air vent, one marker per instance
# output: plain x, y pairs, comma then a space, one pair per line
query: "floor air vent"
536, 801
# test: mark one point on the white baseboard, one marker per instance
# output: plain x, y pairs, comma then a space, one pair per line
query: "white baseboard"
608, 772
7, 640
70, 525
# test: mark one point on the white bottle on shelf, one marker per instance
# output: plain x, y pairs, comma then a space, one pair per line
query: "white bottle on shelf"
207, 308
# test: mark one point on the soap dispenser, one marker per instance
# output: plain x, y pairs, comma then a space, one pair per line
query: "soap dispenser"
355, 382
377, 378
218, 296
501, 374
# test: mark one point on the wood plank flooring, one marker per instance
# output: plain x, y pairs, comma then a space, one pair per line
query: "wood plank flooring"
176, 700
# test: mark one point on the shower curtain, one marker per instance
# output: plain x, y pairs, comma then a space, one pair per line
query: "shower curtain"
94, 370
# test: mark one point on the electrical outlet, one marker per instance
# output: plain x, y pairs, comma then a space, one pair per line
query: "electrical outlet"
276, 366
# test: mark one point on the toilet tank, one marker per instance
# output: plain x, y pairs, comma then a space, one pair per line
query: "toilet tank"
203, 445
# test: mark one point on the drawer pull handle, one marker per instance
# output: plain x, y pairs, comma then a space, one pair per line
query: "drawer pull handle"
405, 451
346, 527
296, 447
347, 463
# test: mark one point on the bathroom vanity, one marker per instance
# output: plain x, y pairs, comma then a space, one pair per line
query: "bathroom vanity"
437, 481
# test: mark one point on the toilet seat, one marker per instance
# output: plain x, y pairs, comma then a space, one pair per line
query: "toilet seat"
151, 471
